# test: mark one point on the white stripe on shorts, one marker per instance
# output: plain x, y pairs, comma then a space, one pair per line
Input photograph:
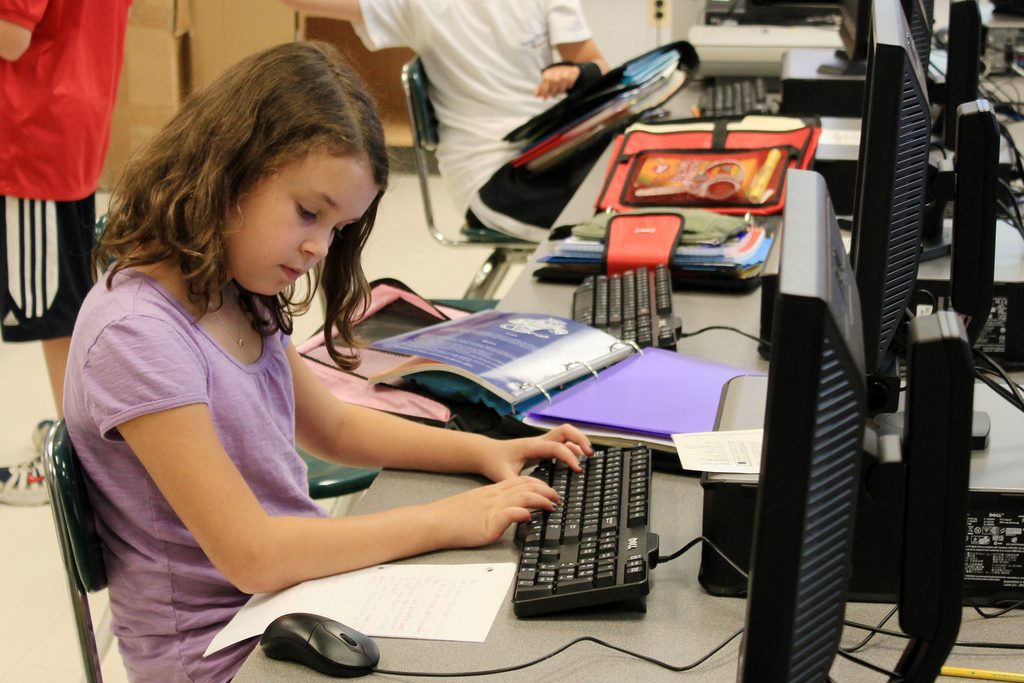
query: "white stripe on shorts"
34, 287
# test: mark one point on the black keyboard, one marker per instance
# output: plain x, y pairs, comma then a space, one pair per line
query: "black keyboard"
635, 306
595, 548
735, 97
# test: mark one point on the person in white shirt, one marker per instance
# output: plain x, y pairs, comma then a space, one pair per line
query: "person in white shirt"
492, 65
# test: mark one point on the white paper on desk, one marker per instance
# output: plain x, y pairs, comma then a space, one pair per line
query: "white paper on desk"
429, 602
734, 452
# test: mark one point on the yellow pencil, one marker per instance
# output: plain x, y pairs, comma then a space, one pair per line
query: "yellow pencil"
981, 674
763, 176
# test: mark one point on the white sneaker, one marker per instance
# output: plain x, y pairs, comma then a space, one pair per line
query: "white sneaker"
23, 484
39, 435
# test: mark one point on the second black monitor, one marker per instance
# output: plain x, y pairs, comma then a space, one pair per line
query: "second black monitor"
892, 176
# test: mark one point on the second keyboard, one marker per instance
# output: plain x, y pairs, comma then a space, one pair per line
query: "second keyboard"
635, 306
735, 97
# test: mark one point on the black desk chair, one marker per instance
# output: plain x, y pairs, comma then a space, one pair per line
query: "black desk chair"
79, 545
505, 250
328, 480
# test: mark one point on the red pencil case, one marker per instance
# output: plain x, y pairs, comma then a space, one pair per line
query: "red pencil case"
644, 240
730, 170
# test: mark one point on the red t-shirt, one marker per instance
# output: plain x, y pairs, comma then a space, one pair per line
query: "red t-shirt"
56, 101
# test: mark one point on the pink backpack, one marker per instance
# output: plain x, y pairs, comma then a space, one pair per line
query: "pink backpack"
394, 308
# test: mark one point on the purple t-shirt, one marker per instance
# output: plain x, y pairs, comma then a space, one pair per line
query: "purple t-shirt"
136, 350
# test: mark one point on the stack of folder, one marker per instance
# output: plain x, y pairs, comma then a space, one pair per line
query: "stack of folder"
741, 257
605, 106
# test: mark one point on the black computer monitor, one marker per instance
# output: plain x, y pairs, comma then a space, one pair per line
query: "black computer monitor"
936, 471
964, 55
890, 190
973, 248
963, 59
814, 430
812, 457
919, 14
854, 25
972, 265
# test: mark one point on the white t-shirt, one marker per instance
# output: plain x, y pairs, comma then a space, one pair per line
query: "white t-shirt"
484, 60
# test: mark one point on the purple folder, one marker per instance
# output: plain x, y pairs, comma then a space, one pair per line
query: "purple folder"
657, 393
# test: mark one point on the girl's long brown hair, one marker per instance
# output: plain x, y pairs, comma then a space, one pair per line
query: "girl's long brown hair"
176, 196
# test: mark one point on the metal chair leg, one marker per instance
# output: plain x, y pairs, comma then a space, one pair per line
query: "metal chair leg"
104, 638
489, 276
86, 633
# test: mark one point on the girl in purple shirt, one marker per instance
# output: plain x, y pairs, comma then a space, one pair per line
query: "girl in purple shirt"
185, 398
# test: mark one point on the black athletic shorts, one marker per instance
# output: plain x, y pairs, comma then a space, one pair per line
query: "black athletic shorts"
45, 265
524, 204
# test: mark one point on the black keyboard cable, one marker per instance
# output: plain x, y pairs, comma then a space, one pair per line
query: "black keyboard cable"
752, 337
581, 639
986, 369
998, 612
598, 641
1011, 393
591, 639
854, 648
959, 643
846, 653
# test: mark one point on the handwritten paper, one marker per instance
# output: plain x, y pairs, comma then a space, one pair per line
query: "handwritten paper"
735, 452
429, 602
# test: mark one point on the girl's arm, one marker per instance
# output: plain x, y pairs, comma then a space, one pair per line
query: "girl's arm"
260, 553
361, 436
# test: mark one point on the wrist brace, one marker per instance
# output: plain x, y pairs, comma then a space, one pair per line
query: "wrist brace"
589, 72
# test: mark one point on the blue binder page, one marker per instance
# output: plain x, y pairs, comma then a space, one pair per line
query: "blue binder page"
516, 356
657, 393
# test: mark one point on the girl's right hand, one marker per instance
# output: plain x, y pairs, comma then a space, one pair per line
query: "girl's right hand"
480, 516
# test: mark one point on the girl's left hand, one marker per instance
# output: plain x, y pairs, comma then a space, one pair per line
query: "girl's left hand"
506, 459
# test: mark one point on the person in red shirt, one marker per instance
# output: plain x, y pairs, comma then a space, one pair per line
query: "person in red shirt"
60, 61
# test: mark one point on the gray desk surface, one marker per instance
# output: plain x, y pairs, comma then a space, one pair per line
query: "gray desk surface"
682, 622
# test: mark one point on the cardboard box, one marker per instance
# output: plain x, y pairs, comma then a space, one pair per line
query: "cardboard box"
222, 32
382, 71
154, 80
168, 15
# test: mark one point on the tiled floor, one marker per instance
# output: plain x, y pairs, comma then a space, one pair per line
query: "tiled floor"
37, 637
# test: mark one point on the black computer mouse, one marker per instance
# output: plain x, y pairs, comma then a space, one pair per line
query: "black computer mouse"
321, 644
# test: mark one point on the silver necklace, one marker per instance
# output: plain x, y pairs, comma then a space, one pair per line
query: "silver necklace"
237, 337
